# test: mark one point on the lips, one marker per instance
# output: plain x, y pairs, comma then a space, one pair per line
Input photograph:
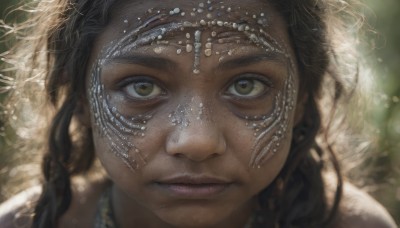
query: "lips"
193, 186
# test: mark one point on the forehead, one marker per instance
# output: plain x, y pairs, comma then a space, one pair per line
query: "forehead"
128, 15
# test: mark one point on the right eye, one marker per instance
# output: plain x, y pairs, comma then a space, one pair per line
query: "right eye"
142, 89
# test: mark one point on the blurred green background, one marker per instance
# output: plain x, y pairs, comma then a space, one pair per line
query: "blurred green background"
384, 17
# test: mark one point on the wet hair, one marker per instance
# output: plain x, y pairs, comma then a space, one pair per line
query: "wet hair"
61, 35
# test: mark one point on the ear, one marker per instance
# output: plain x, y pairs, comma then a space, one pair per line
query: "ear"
300, 108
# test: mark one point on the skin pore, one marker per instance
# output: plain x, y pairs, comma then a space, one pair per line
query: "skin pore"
192, 104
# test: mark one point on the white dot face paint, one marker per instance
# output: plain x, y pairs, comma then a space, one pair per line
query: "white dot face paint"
197, 33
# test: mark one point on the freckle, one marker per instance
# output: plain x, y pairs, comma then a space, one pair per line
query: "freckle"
189, 48
207, 52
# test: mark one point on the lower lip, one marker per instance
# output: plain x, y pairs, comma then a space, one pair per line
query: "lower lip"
194, 190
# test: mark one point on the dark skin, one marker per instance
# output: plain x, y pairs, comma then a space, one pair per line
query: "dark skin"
203, 168
217, 146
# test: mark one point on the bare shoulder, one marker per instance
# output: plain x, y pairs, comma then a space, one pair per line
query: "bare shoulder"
17, 211
358, 209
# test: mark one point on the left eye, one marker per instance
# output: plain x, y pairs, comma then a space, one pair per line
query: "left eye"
142, 89
247, 88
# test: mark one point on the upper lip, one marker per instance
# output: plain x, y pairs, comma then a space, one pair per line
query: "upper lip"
191, 179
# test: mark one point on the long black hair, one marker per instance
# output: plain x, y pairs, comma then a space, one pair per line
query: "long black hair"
62, 33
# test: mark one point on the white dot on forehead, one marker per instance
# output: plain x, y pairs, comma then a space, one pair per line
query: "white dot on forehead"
189, 48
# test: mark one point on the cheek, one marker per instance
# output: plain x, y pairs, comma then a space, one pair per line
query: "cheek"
242, 141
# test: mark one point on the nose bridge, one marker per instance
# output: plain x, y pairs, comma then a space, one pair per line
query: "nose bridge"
194, 135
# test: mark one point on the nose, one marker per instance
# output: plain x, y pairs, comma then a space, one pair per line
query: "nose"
197, 142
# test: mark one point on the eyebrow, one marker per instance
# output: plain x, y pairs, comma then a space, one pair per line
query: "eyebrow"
253, 59
144, 60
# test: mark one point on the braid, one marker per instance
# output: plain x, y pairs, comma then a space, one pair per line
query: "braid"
56, 195
68, 53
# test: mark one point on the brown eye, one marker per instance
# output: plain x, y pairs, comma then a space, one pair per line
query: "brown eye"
143, 89
247, 88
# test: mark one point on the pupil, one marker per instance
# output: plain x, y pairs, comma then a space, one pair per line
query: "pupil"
244, 86
144, 88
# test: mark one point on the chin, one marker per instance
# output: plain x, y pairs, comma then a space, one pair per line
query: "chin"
193, 216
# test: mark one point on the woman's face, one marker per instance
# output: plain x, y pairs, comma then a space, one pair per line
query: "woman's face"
192, 105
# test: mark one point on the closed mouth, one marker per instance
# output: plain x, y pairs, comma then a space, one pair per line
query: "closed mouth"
191, 186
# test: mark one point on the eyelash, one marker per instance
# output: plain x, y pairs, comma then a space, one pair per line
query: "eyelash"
131, 81
252, 77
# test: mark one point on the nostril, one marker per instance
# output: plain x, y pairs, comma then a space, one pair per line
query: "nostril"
197, 142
